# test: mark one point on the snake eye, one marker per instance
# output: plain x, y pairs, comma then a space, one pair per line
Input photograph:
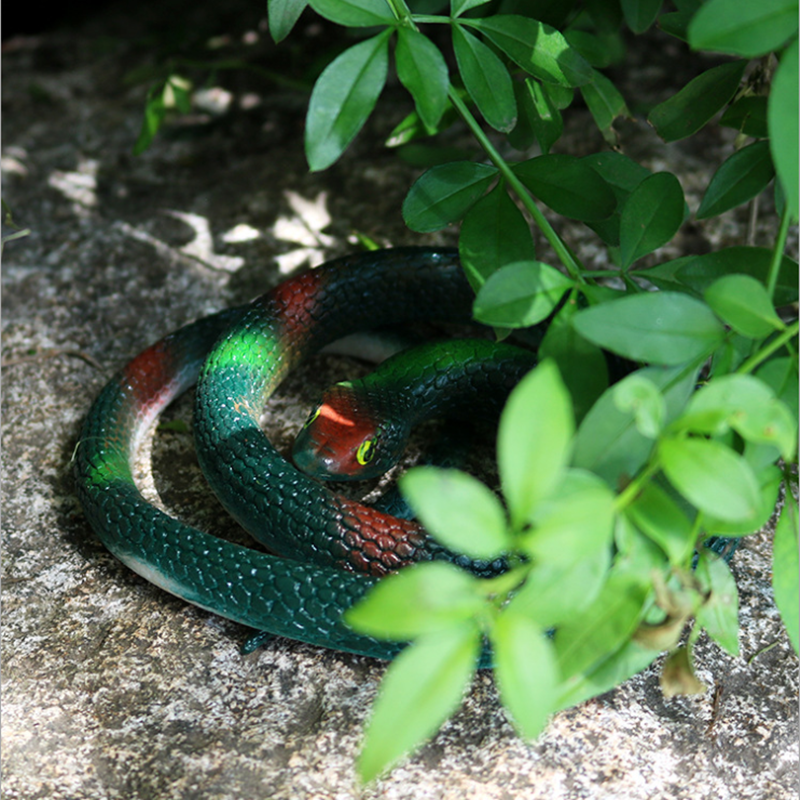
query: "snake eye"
312, 417
365, 452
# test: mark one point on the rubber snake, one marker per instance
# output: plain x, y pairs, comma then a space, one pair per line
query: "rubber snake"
360, 429
240, 356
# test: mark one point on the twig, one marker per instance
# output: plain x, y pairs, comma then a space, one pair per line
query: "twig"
51, 352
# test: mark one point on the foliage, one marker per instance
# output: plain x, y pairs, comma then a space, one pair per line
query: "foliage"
608, 492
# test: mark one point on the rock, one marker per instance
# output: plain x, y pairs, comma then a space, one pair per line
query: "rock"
113, 689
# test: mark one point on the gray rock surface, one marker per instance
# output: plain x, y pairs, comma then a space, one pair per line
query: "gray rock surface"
113, 689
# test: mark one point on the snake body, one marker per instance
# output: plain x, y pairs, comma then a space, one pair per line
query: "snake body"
360, 428
241, 355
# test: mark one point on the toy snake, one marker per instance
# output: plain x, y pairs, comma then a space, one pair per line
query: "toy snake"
241, 356
360, 428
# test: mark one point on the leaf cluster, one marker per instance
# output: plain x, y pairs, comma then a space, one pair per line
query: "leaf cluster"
608, 490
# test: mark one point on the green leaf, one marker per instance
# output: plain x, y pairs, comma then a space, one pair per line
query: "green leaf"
630, 659
785, 568
554, 593
486, 79
541, 50
534, 440
548, 124
568, 185
608, 442
539, 112
520, 294
422, 599
746, 404
660, 518
458, 510
420, 690
742, 27
640, 14
739, 178
154, 113
582, 365
650, 217
599, 50
642, 398
693, 106
458, 7
522, 137
355, 13
283, 14
748, 115
638, 555
697, 273
780, 374
782, 117
421, 68
769, 479
494, 232
443, 194
588, 639
575, 521
710, 476
657, 327
743, 303
526, 671
676, 23
719, 615
623, 175
178, 94
411, 128
620, 172
605, 103
730, 354
342, 99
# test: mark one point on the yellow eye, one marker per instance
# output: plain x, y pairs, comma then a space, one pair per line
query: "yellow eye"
365, 452
313, 416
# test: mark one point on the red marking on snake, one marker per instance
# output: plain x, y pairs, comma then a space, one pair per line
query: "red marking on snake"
294, 301
382, 543
333, 415
149, 375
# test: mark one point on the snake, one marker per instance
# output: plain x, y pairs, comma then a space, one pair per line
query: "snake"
359, 429
328, 550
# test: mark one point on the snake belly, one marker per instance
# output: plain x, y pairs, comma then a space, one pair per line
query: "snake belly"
291, 598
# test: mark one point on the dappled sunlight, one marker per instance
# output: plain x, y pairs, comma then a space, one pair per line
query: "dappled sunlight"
304, 229
80, 186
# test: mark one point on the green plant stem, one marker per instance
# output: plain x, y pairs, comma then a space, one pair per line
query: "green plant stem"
432, 18
629, 493
777, 252
562, 251
402, 13
765, 352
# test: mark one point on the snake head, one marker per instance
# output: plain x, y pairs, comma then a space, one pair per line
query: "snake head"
343, 438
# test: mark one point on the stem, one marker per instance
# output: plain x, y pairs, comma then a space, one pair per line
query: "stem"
431, 18
401, 12
769, 349
563, 253
629, 493
777, 253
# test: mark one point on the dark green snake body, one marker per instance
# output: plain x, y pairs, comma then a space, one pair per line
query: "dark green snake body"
255, 348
